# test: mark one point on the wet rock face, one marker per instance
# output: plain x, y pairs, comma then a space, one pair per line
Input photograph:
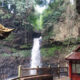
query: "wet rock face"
36, 34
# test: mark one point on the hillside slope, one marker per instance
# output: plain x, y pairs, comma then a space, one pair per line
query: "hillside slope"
68, 26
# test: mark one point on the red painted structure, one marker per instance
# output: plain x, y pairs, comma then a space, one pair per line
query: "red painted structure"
74, 64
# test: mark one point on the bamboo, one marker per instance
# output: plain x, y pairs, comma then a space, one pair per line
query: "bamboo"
19, 71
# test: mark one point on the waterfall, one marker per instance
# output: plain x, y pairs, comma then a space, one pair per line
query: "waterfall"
35, 55
9, 6
72, 2
2, 3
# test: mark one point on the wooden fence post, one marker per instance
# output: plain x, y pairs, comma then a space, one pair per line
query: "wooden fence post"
58, 71
37, 70
49, 66
19, 71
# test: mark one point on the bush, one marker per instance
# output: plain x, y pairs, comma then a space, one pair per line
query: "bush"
49, 52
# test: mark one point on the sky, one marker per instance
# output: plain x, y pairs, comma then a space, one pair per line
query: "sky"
40, 9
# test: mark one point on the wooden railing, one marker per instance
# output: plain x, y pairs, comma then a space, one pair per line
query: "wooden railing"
46, 71
41, 73
22, 71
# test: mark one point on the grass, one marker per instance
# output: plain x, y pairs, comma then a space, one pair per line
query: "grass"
22, 53
14, 50
49, 52
10, 37
26, 46
5, 55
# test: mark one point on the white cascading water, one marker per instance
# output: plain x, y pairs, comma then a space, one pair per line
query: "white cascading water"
72, 2
35, 55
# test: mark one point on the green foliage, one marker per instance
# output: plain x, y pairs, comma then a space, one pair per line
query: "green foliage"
49, 52
26, 46
36, 20
51, 16
5, 55
24, 12
13, 50
40, 2
22, 53
10, 37
21, 5
54, 12
70, 41
32, 19
48, 33
78, 40
6, 16
39, 22
1, 12
20, 8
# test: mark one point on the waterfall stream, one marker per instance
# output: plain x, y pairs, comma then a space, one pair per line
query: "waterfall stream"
35, 55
